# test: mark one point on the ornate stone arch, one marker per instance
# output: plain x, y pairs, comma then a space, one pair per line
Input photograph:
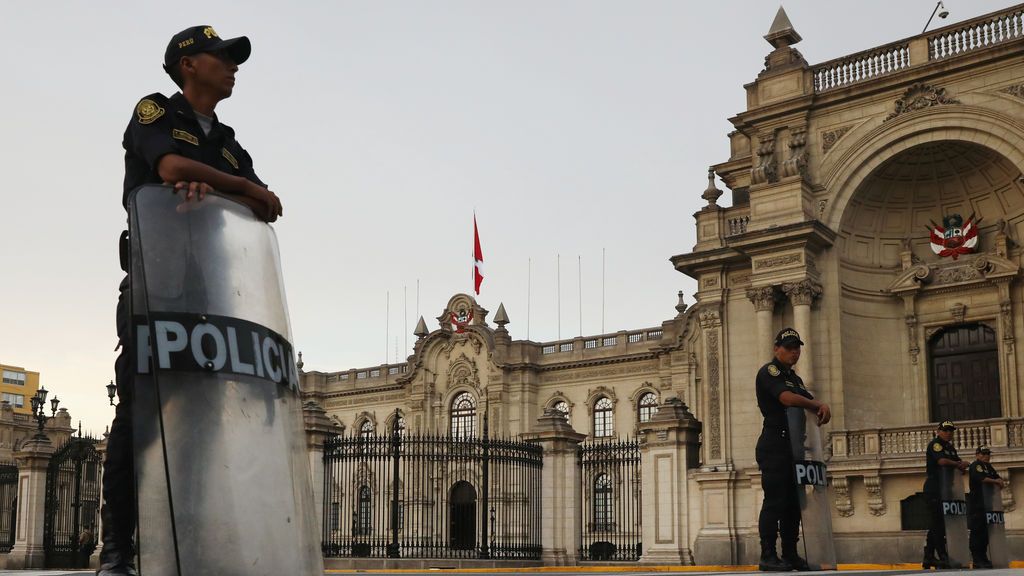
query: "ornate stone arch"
634, 399
595, 393
360, 418
559, 396
462, 375
990, 129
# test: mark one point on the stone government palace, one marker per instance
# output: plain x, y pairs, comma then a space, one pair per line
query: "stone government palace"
838, 174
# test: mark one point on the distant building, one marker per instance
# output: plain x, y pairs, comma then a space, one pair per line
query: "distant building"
17, 387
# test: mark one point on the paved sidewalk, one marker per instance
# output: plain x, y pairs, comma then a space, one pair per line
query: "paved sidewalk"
591, 570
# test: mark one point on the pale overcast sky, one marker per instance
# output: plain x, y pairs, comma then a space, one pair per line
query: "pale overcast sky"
570, 126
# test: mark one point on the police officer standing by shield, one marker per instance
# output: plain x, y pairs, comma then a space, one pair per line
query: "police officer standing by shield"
940, 454
981, 472
779, 387
177, 140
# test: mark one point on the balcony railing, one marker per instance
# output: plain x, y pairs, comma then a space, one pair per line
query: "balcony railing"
976, 35
912, 440
861, 66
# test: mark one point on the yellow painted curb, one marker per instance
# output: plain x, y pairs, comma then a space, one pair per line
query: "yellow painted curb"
632, 568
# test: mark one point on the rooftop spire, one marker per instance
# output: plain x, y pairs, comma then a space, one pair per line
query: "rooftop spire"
782, 33
421, 329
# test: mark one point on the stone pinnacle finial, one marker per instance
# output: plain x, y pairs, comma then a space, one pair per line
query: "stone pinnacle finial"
681, 305
300, 363
712, 193
501, 317
421, 329
782, 33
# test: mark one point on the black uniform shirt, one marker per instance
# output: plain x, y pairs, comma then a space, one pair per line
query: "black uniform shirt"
162, 125
978, 472
937, 448
772, 380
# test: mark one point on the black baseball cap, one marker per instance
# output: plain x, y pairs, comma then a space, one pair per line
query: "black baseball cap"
984, 450
947, 426
198, 39
788, 337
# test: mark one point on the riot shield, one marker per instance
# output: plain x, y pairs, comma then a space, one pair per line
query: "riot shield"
812, 490
954, 514
993, 502
222, 474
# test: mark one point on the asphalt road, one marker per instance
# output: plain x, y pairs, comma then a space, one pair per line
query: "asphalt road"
589, 571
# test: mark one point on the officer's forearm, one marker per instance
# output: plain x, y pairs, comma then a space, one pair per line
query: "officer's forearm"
948, 462
996, 481
790, 399
175, 168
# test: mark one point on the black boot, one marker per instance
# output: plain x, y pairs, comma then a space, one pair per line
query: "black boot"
790, 555
116, 558
929, 560
770, 561
943, 562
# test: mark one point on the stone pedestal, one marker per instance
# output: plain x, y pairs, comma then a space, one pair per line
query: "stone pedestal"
33, 459
669, 448
561, 491
318, 428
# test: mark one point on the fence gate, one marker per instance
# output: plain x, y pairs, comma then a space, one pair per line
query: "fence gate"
72, 502
610, 472
429, 496
8, 505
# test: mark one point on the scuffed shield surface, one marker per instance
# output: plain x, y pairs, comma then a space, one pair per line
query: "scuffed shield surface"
222, 471
810, 475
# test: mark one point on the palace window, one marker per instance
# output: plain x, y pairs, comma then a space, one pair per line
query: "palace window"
463, 416
647, 406
366, 429
603, 418
562, 406
364, 511
16, 400
401, 426
15, 378
602, 504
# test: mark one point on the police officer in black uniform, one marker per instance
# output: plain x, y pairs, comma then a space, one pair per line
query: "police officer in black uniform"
180, 141
981, 472
940, 453
779, 387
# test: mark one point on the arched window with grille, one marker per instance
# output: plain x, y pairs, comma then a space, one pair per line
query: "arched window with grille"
401, 425
562, 406
604, 419
647, 407
366, 429
364, 512
463, 416
602, 504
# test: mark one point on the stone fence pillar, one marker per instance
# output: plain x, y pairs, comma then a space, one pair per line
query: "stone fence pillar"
669, 447
561, 491
318, 428
32, 459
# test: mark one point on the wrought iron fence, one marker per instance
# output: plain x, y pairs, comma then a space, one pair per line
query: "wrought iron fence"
431, 496
72, 502
8, 505
610, 473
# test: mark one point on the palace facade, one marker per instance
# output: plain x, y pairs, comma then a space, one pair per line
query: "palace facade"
853, 189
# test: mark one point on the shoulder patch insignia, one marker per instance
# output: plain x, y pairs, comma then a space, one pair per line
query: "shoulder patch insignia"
937, 447
773, 370
979, 468
148, 111
227, 156
182, 135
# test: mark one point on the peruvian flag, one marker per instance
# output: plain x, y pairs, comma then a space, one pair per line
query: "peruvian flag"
478, 259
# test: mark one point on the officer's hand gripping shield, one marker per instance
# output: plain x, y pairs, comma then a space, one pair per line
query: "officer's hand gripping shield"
954, 515
992, 496
222, 472
811, 479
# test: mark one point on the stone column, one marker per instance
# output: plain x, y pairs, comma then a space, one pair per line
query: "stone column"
670, 447
561, 491
33, 459
802, 294
764, 299
318, 428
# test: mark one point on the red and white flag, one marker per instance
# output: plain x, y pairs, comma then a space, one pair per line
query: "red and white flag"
478, 259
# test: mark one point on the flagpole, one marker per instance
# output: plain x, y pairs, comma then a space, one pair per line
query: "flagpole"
579, 284
558, 290
529, 273
602, 290
405, 317
387, 330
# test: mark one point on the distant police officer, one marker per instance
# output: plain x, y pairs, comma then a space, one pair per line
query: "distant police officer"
940, 453
180, 141
981, 473
779, 387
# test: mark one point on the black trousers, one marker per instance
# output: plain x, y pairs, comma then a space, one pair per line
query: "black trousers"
979, 536
780, 510
119, 503
936, 539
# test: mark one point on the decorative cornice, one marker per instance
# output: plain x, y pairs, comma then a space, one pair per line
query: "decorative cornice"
921, 96
763, 298
802, 293
829, 138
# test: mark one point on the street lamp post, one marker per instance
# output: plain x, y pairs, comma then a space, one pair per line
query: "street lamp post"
111, 391
39, 409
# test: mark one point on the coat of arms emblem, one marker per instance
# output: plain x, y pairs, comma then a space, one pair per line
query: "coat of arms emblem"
954, 237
